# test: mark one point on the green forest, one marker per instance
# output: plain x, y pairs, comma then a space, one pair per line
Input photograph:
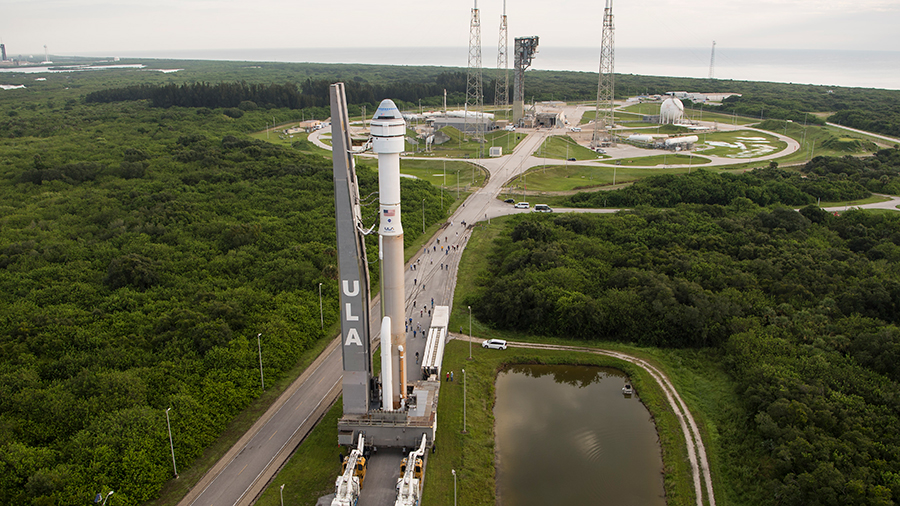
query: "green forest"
801, 308
825, 179
141, 252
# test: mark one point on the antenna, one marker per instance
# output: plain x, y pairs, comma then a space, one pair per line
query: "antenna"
712, 61
501, 92
605, 117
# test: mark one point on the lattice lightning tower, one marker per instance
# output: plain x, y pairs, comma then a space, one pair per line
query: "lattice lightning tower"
474, 89
712, 61
501, 92
605, 117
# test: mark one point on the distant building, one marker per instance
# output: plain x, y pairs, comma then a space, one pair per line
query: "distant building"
550, 119
2, 52
305, 127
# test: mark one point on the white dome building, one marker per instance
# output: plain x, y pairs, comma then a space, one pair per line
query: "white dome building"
670, 111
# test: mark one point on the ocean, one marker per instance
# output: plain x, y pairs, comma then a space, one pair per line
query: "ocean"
863, 69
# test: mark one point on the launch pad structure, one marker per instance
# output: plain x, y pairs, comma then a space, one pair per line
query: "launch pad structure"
523, 55
390, 410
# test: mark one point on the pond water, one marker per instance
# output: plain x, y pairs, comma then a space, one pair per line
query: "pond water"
567, 435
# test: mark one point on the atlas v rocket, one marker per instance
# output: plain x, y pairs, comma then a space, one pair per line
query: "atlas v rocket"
388, 131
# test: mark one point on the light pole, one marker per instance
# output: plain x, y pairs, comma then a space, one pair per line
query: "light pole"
423, 216
464, 402
281, 493
171, 446
321, 314
262, 380
454, 486
470, 332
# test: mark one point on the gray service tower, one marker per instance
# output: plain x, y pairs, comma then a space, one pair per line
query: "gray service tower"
354, 271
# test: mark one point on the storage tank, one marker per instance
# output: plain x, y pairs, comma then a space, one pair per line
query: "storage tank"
640, 138
671, 111
688, 139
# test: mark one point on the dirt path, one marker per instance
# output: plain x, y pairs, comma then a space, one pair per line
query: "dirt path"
693, 441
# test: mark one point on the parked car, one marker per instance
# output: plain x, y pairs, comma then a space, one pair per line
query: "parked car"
575, 129
571, 159
510, 201
522, 205
494, 344
542, 208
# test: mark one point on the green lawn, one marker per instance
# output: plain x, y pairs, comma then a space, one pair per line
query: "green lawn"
588, 116
459, 147
555, 178
815, 140
562, 147
664, 159
467, 174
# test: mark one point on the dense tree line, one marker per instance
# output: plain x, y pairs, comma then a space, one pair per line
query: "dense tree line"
822, 179
141, 251
870, 109
803, 307
312, 93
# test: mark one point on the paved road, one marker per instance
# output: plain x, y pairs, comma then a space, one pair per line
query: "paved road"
870, 134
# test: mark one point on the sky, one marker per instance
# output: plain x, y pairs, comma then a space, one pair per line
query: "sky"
114, 27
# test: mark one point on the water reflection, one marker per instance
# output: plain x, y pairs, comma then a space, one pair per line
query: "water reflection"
567, 435
576, 376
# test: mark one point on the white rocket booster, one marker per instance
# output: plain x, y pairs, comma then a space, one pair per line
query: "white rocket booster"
388, 132
387, 386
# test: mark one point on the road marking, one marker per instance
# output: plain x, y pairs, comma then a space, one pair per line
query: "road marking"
242, 469
273, 435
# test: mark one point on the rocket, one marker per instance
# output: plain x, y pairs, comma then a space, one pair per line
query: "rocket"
388, 131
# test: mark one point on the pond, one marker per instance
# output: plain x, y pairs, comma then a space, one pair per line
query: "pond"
568, 435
